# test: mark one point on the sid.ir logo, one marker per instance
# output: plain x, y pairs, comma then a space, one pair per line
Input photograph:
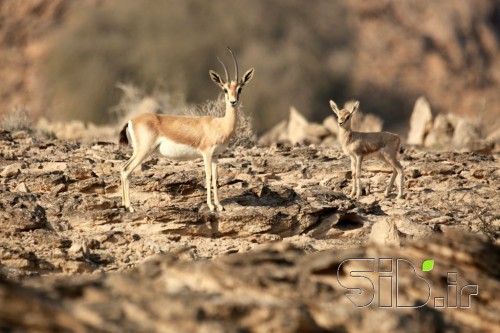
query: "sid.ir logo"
368, 278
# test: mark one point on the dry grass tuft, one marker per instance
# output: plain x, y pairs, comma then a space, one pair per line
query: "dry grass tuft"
244, 134
135, 101
18, 119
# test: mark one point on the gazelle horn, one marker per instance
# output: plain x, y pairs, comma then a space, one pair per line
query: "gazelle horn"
236, 76
225, 69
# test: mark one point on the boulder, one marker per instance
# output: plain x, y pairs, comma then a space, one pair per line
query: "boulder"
331, 124
441, 132
420, 122
367, 122
300, 130
465, 134
275, 135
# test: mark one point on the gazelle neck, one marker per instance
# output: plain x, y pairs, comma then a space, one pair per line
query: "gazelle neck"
345, 134
231, 115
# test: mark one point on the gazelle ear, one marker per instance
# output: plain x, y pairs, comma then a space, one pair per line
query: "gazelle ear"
355, 106
216, 78
247, 76
334, 107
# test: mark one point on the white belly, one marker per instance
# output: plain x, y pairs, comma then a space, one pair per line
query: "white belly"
177, 151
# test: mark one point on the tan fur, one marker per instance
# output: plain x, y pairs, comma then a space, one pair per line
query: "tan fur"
357, 145
183, 137
197, 132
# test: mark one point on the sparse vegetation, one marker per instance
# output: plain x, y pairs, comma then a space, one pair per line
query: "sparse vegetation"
135, 100
244, 135
18, 119
487, 219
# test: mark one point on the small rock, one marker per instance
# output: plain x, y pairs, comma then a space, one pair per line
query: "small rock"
479, 173
79, 248
384, 233
244, 177
368, 200
324, 226
413, 229
11, 170
21, 187
59, 188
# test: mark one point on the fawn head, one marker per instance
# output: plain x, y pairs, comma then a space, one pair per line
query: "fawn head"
344, 115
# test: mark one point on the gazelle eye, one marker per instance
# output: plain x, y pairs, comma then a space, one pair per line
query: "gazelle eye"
239, 90
225, 91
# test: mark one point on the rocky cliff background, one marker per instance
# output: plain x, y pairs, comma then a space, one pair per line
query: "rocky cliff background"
63, 59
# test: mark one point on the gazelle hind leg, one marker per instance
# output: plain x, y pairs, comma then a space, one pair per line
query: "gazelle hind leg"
143, 144
214, 184
401, 179
127, 169
391, 183
124, 179
397, 171
386, 160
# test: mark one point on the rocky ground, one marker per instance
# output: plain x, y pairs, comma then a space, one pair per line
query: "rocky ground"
62, 218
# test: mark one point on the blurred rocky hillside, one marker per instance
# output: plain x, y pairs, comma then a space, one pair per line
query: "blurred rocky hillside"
63, 59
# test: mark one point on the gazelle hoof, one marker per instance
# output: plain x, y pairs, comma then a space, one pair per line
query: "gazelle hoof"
130, 209
220, 208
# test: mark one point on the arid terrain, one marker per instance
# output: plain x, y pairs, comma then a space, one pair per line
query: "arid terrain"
74, 259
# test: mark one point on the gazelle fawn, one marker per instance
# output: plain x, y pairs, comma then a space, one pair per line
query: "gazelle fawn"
359, 145
185, 137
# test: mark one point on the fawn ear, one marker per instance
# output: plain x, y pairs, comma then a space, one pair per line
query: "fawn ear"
216, 78
334, 107
355, 106
247, 77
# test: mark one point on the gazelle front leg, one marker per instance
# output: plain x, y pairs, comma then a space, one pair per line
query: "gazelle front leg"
353, 172
215, 177
207, 159
359, 160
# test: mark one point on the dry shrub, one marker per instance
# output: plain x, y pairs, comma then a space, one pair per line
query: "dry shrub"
135, 100
244, 135
18, 119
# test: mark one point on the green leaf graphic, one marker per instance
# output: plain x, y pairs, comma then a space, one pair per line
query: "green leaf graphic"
427, 265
